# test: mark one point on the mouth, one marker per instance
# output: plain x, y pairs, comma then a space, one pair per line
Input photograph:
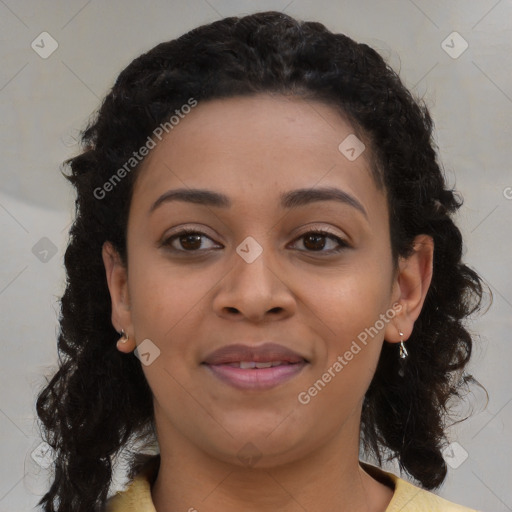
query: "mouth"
255, 367
246, 365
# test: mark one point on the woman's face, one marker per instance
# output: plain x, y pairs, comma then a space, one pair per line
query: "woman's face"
254, 274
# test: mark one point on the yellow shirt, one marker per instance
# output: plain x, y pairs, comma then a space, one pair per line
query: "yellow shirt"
406, 498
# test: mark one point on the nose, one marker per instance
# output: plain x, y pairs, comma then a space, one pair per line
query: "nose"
255, 290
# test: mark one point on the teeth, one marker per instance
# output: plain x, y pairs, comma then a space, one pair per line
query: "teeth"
267, 365
252, 364
247, 364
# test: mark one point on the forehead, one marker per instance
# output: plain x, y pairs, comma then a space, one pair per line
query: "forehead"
254, 149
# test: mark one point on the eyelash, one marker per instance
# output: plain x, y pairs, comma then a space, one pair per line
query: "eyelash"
342, 243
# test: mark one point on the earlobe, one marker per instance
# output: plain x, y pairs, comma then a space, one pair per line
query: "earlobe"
412, 284
125, 344
117, 281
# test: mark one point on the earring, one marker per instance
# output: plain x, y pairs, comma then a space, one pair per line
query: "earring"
403, 350
121, 342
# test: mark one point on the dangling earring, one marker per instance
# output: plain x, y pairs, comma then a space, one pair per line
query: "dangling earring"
403, 355
403, 350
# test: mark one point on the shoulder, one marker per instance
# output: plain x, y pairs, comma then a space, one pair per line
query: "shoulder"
410, 498
137, 496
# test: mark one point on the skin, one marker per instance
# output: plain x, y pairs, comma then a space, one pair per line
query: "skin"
253, 149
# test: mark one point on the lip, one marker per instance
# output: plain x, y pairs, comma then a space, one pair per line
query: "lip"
220, 364
260, 354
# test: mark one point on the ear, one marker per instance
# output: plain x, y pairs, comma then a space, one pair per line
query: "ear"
117, 279
410, 287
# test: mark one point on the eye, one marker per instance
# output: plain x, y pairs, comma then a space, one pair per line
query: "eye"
314, 241
189, 239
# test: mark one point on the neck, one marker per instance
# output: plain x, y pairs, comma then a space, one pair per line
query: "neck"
329, 478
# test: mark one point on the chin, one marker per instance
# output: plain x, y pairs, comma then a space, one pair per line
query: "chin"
261, 445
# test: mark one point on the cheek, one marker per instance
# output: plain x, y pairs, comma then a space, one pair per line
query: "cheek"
161, 296
351, 302
352, 320
348, 356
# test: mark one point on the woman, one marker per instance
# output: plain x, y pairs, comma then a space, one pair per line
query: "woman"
263, 276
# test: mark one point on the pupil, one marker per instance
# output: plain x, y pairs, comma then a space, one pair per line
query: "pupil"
188, 238
316, 238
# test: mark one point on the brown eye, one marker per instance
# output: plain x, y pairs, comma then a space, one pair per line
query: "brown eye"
188, 240
315, 241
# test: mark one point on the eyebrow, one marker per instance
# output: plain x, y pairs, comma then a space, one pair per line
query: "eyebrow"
288, 200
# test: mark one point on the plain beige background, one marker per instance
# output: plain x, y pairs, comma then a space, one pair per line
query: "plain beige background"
45, 101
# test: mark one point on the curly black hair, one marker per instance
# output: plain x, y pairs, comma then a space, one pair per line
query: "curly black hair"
99, 399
